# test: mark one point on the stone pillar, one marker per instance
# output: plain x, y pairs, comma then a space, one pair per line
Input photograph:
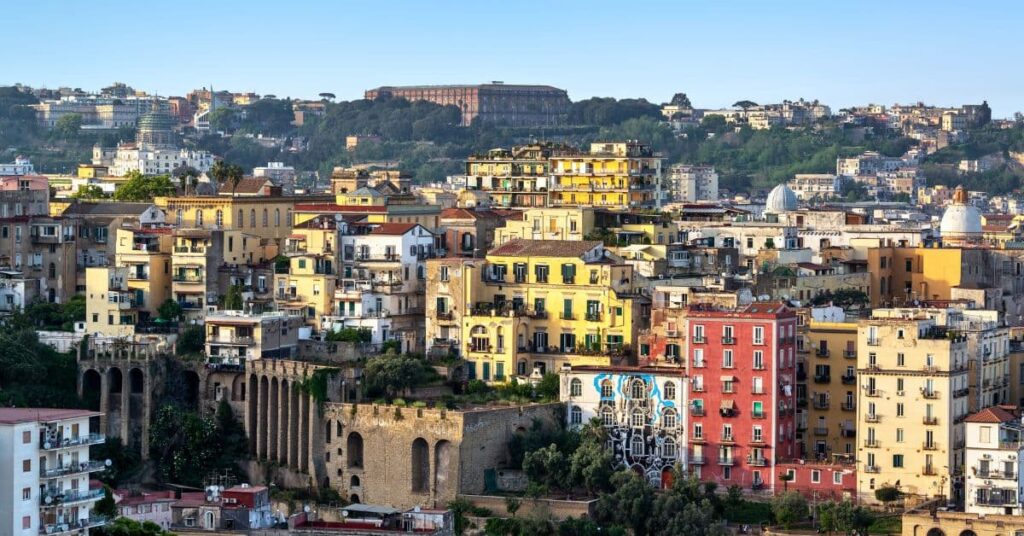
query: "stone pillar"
251, 396
284, 425
304, 433
104, 403
126, 406
261, 419
147, 389
273, 410
293, 429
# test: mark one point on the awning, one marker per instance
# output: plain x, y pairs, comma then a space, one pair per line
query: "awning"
728, 378
728, 404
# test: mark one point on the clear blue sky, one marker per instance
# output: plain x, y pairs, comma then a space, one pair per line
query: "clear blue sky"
718, 52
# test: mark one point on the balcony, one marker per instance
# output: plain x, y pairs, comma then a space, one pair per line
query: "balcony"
849, 406
872, 469
697, 411
929, 445
448, 316
188, 278
874, 342
52, 498
188, 249
820, 431
728, 438
929, 394
822, 378
757, 415
699, 339
593, 317
929, 470
698, 440
564, 315
871, 443
80, 441
848, 433
232, 339
757, 461
728, 340
822, 352
90, 466
848, 380
697, 460
821, 404
138, 276
873, 393
77, 525
960, 393
930, 421
872, 417
726, 460
998, 497
995, 475
850, 354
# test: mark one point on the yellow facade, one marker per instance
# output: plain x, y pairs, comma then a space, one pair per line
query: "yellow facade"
902, 275
147, 256
831, 360
308, 287
548, 224
110, 306
265, 217
615, 175
912, 398
512, 179
537, 311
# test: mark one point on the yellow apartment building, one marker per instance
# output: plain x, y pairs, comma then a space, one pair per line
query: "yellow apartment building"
912, 396
831, 362
110, 306
265, 217
234, 337
536, 305
901, 275
201, 255
569, 223
146, 253
307, 290
617, 175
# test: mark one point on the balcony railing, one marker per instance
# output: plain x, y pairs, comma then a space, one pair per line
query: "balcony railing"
929, 420
850, 354
728, 340
871, 443
757, 461
61, 443
697, 460
929, 470
873, 393
699, 339
820, 431
874, 342
822, 378
726, 460
849, 406
566, 316
697, 411
822, 352
83, 467
996, 475
593, 317
929, 445
821, 404
757, 415
872, 469
728, 439
872, 417
929, 394
54, 497
848, 380
78, 524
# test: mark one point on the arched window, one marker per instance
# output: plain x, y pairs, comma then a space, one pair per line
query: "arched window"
354, 482
670, 391
252, 218
575, 387
479, 341
576, 415
607, 389
607, 417
354, 450
420, 465
199, 217
220, 217
638, 389
637, 419
288, 217
668, 419
277, 217
636, 447
668, 449
241, 219
266, 218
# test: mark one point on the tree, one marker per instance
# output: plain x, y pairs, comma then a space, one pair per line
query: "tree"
391, 374
548, 386
186, 447
744, 104
90, 191
192, 340
630, 505
887, 495
512, 505
548, 467
590, 466
141, 187
681, 100
169, 310
124, 526
74, 311
327, 96
68, 125
225, 174
106, 506
789, 508
188, 178
233, 299
838, 516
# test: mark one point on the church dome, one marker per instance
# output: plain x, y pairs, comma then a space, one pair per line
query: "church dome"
155, 129
780, 199
961, 220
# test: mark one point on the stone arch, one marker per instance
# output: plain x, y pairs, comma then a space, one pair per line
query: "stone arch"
354, 450
968, 532
936, 532
353, 499
238, 389
442, 461
420, 465
190, 380
353, 482
136, 381
92, 386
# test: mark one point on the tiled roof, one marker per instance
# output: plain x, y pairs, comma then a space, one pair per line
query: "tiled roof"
393, 228
466, 214
332, 207
249, 185
545, 248
107, 209
22, 415
994, 414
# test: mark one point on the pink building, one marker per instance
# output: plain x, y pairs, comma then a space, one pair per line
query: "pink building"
820, 481
23, 182
145, 506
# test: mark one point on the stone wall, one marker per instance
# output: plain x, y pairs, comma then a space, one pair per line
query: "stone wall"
557, 509
925, 523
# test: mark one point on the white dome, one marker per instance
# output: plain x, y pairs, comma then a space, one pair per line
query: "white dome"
780, 199
960, 221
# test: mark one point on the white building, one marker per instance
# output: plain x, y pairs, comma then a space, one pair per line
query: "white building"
278, 173
154, 161
689, 184
820, 186
642, 408
381, 287
44, 472
992, 462
20, 166
16, 290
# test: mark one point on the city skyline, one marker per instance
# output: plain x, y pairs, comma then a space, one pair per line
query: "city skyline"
702, 50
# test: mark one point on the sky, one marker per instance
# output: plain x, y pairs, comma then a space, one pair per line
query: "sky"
718, 52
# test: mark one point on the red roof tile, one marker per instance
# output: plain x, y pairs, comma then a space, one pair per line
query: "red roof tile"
393, 228
22, 415
993, 414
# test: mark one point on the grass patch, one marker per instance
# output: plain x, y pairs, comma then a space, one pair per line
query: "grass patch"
887, 525
749, 513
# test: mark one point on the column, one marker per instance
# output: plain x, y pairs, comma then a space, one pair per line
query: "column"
283, 424
272, 409
304, 433
261, 420
293, 429
251, 396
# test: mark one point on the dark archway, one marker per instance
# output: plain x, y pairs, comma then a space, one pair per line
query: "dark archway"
420, 466
353, 482
191, 393
354, 450
115, 386
92, 386
442, 459
936, 532
354, 499
136, 404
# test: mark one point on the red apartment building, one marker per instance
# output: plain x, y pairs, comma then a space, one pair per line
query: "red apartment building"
742, 394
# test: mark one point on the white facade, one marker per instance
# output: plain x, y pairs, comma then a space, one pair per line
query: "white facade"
44, 472
690, 184
643, 410
815, 186
992, 463
154, 161
20, 166
278, 173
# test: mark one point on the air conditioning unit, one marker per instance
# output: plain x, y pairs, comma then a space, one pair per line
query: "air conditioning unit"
899, 393
986, 456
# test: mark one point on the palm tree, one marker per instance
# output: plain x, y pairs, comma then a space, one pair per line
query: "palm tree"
235, 175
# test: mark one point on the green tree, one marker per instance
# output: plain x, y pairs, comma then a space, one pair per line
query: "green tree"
73, 311
789, 508
548, 387
512, 505
548, 467
888, 495
106, 506
141, 187
192, 340
590, 466
169, 310
630, 505
90, 191
124, 526
69, 125
391, 374
233, 299
186, 447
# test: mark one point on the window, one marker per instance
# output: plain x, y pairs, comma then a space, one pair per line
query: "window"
479, 341
758, 433
443, 273
899, 435
758, 409
26, 522
900, 360
758, 335
637, 445
758, 360
899, 409
26, 437
607, 417
837, 478
668, 420
266, 218
638, 390
252, 218
220, 218
669, 448
897, 461
607, 390
815, 476
637, 419
576, 387
26, 466
26, 494
670, 391
698, 430
540, 272
576, 416
568, 274
727, 359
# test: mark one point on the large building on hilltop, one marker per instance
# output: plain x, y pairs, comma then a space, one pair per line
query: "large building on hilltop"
155, 150
495, 103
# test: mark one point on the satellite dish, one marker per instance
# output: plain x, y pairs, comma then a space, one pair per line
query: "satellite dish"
305, 508
46, 445
344, 513
49, 499
107, 462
